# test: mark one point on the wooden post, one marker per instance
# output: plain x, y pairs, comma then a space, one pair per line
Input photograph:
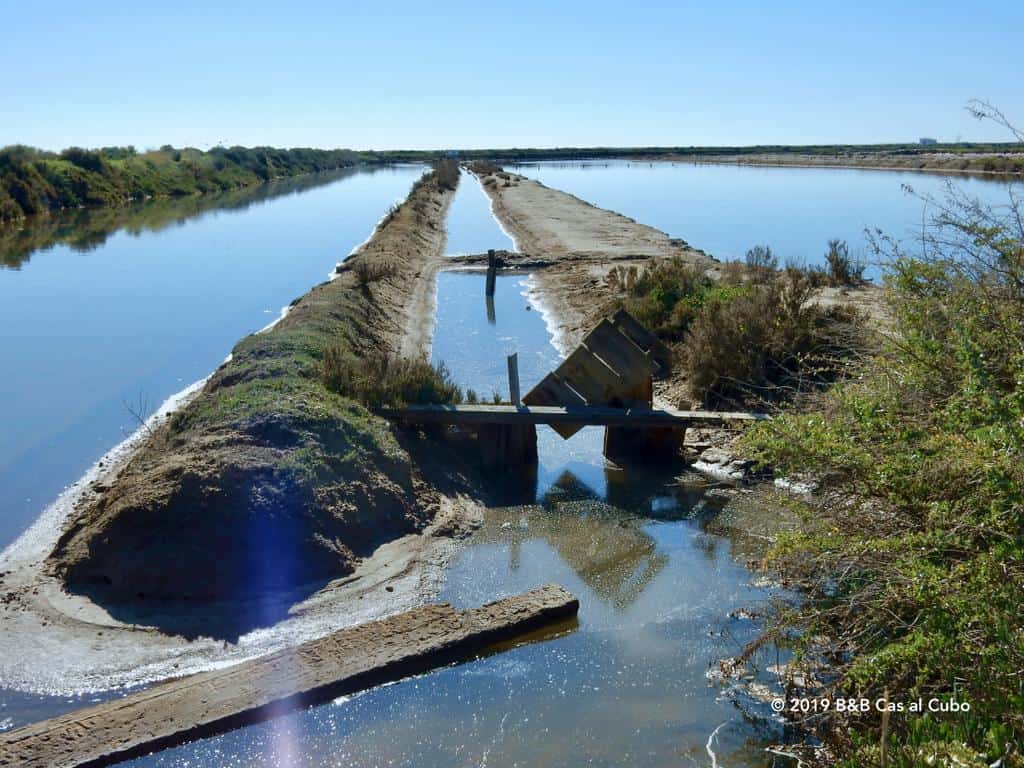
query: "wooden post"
492, 269
507, 447
491, 317
513, 379
642, 445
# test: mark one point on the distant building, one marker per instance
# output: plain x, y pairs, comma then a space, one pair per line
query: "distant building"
928, 142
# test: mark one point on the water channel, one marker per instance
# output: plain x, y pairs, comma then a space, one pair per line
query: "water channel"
101, 313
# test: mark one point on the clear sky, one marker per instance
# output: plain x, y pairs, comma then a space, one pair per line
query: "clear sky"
397, 74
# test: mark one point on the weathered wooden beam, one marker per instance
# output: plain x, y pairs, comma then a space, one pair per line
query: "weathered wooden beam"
557, 415
505, 447
513, 379
629, 445
552, 391
492, 268
341, 663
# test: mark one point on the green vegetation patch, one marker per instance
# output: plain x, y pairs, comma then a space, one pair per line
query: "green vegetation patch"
753, 338
914, 564
33, 181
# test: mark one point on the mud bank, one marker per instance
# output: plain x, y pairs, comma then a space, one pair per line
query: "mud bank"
260, 514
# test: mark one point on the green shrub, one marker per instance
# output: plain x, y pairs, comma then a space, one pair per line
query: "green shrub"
38, 181
914, 564
767, 343
666, 295
383, 380
84, 159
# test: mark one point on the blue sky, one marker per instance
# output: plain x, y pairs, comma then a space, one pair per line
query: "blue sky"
434, 74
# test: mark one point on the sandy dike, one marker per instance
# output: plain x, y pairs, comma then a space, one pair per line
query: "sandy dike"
60, 644
581, 244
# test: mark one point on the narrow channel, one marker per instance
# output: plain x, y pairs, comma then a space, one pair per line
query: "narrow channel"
664, 596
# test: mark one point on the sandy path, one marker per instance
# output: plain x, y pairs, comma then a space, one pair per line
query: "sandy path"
582, 242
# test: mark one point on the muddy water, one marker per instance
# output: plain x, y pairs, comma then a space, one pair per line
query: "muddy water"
627, 685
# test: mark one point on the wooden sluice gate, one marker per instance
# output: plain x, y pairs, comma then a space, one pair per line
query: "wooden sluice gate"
607, 381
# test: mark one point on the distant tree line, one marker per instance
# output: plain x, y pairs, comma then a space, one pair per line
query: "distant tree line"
692, 152
35, 181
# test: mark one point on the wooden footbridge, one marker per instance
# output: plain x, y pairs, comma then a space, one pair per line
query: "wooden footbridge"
578, 416
606, 381
507, 433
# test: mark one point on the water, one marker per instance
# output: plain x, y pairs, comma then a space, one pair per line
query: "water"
627, 686
471, 227
727, 209
109, 319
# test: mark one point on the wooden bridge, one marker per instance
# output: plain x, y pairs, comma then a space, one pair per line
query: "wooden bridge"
581, 416
606, 381
507, 433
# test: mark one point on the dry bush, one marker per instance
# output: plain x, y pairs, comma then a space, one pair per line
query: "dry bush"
761, 261
622, 279
768, 343
368, 272
446, 174
733, 272
843, 270
385, 380
484, 167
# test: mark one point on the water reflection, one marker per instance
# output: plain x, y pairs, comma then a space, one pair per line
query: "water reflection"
85, 229
610, 552
154, 308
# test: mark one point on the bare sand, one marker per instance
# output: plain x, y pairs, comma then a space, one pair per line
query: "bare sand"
580, 244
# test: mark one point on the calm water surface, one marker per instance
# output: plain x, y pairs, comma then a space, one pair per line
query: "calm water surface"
144, 313
471, 227
727, 209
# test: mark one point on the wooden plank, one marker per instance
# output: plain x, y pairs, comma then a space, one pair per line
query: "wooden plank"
492, 266
621, 354
590, 376
639, 335
513, 378
552, 391
341, 663
558, 415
